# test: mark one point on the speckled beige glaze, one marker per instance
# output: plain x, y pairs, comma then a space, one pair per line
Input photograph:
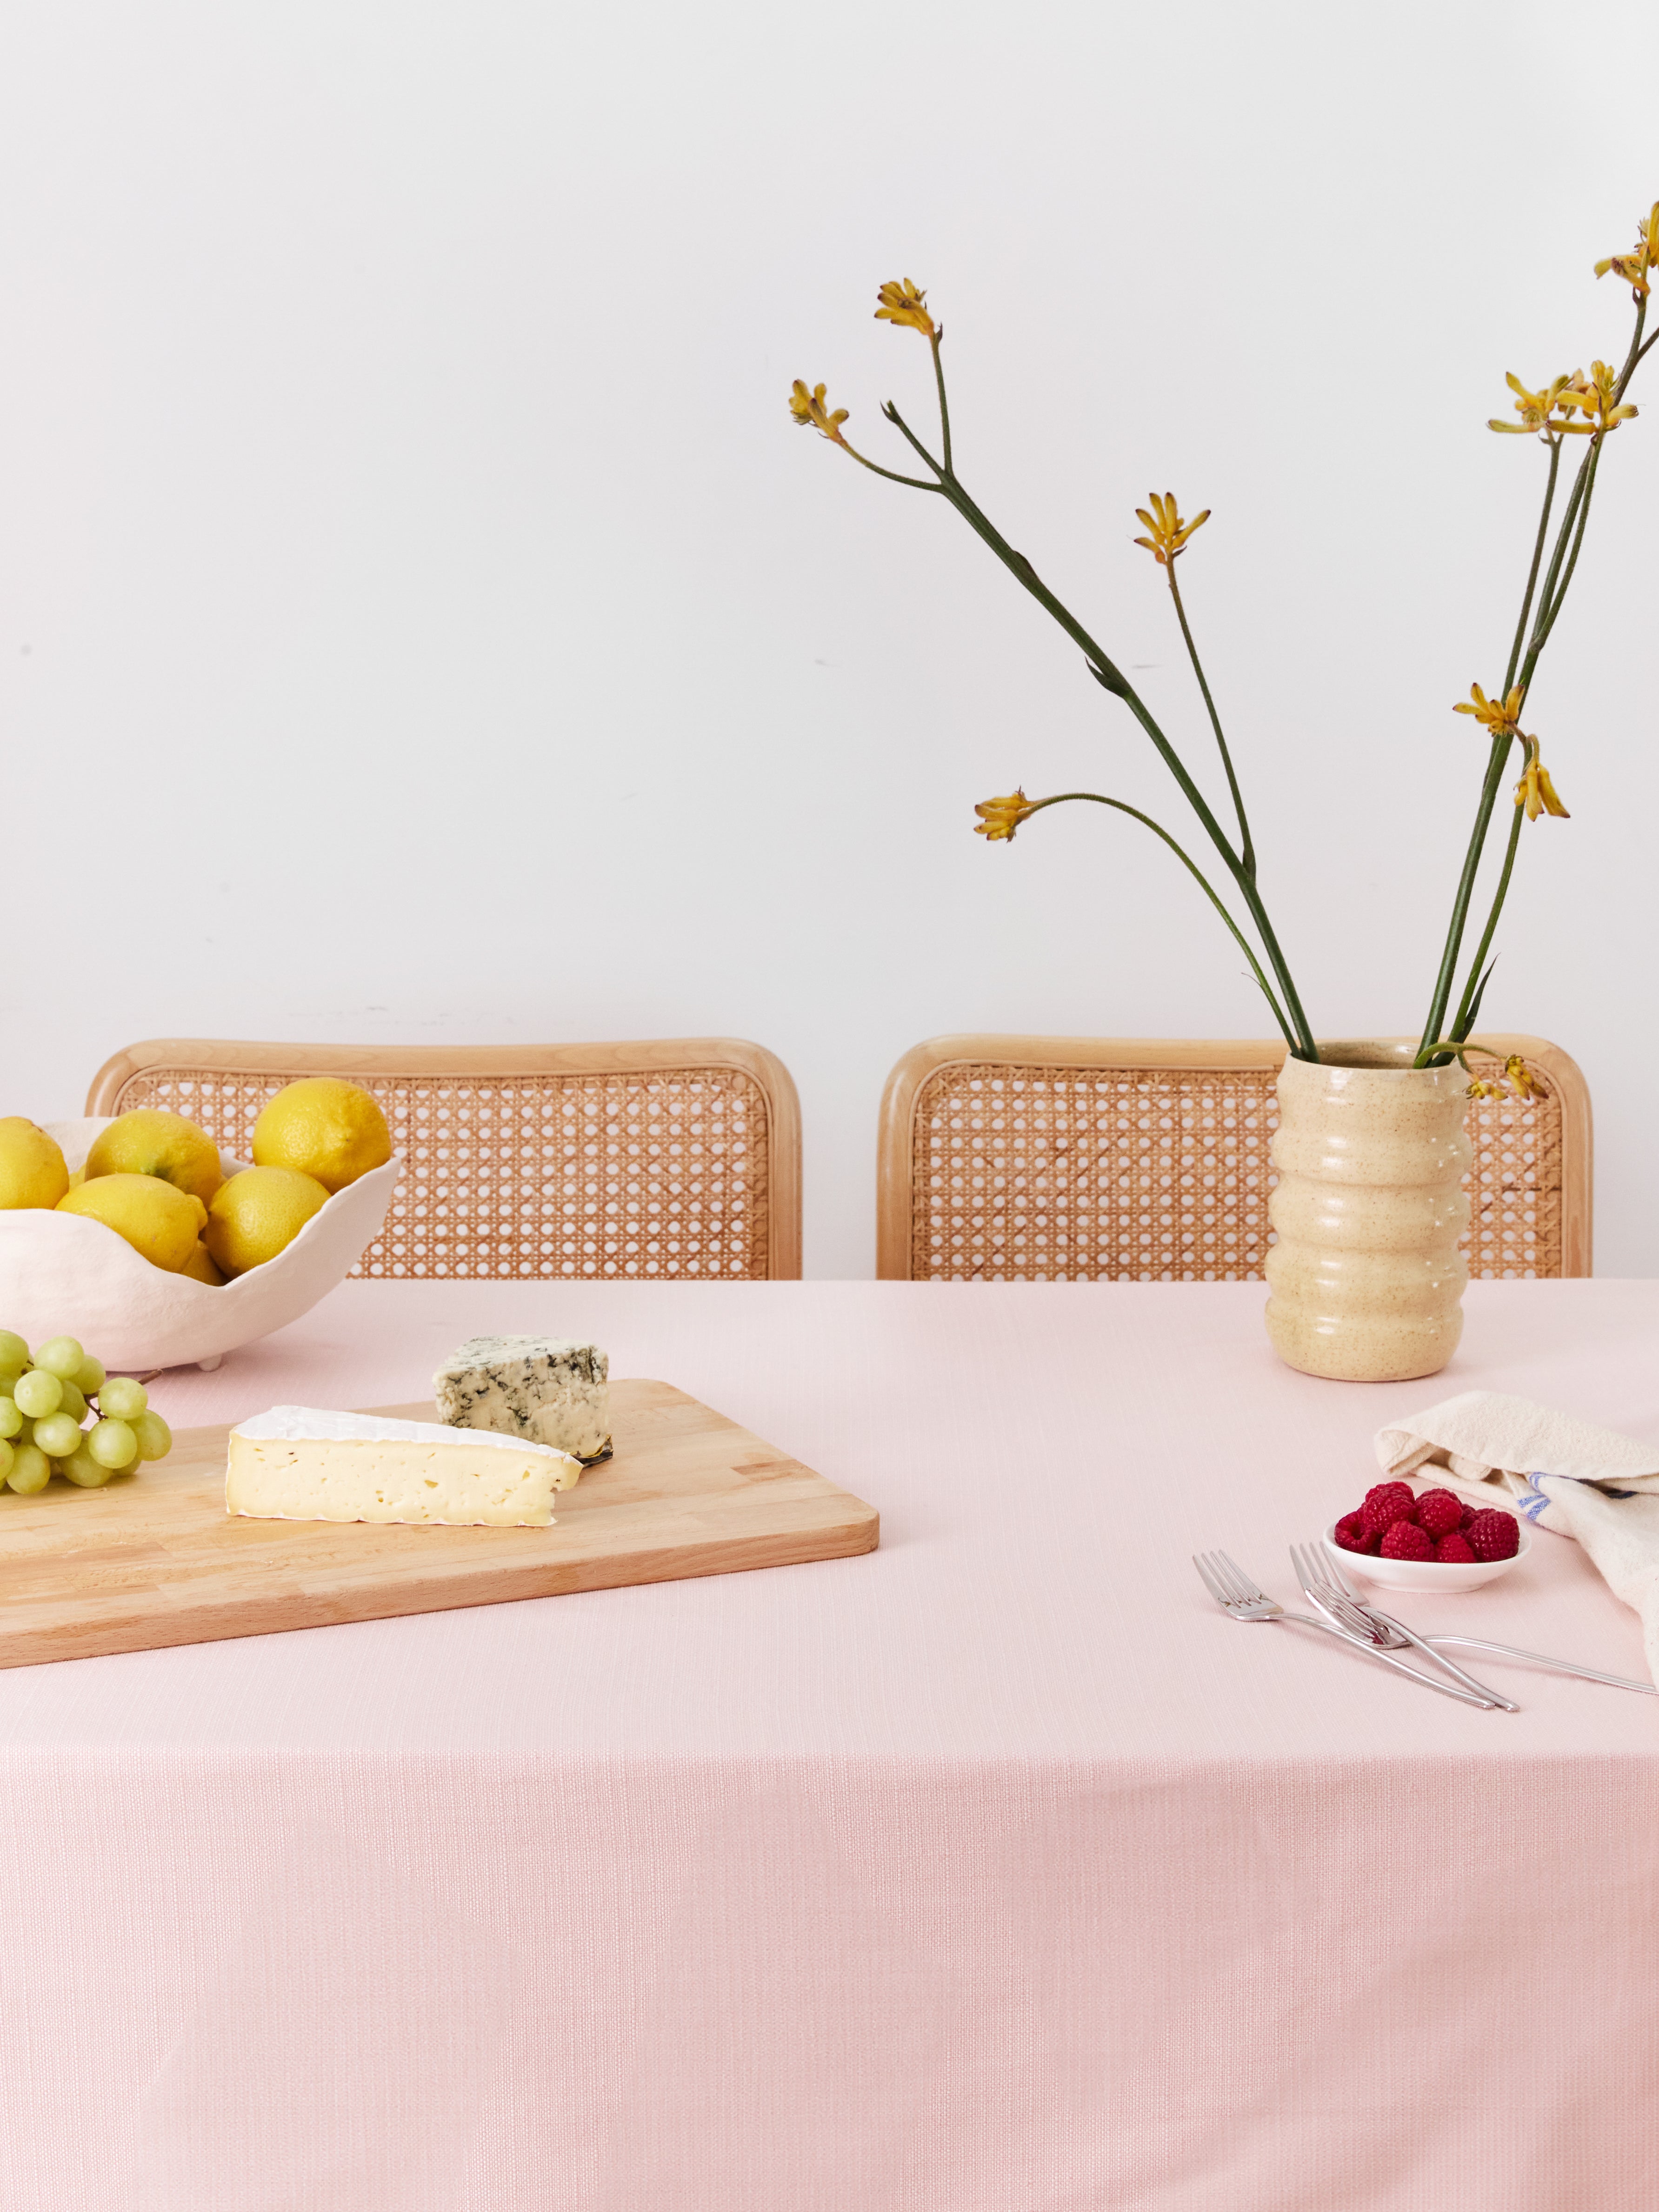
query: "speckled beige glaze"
1366, 1276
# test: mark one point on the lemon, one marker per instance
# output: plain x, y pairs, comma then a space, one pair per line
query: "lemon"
324, 1127
32, 1169
149, 1142
200, 1267
161, 1223
256, 1213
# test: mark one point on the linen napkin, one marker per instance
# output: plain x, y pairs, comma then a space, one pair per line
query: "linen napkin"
1591, 1483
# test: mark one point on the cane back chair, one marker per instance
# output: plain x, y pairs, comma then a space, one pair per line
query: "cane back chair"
678, 1156
1087, 1159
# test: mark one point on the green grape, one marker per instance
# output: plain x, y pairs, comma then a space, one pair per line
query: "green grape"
89, 1376
14, 1353
73, 1403
9, 1380
31, 1470
7, 1455
38, 1393
113, 1444
155, 1437
60, 1356
11, 1420
84, 1471
122, 1398
57, 1435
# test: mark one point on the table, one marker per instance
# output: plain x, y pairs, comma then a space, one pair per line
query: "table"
994, 1872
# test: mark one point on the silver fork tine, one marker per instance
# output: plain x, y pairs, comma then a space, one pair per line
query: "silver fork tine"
1311, 1573
1247, 1589
1347, 1613
1323, 1574
1320, 1583
1307, 1572
1200, 1560
1220, 1584
1217, 1565
1337, 1576
1331, 1586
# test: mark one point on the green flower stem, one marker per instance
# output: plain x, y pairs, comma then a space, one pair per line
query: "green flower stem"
1477, 966
1546, 621
916, 483
1498, 754
1455, 1047
1247, 849
1636, 350
1198, 876
1496, 758
1549, 598
1550, 606
1569, 536
943, 403
1532, 574
1106, 672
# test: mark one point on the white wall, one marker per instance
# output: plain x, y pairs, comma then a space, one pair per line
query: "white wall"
419, 620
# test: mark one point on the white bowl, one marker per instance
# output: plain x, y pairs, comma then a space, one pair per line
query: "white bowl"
1449, 1576
65, 1274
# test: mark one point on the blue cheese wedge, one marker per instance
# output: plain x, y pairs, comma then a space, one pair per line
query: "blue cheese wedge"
301, 1463
543, 1387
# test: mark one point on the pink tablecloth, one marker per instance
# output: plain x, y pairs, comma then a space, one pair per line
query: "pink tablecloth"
993, 1872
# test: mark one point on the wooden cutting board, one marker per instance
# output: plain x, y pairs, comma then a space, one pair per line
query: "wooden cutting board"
154, 1558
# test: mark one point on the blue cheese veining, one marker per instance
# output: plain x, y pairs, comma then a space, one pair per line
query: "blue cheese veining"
542, 1387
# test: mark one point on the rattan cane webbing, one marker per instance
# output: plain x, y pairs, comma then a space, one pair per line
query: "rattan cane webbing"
1516, 1182
1162, 1175
662, 1173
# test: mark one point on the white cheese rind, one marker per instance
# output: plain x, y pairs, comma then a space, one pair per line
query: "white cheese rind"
303, 1463
543, 1387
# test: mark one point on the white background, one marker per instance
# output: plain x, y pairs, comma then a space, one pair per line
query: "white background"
419, 620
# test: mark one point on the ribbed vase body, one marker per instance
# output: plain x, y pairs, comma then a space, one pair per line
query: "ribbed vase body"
1366, 1277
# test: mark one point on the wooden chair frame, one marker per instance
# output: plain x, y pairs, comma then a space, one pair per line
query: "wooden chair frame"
218, 1055
894, 1195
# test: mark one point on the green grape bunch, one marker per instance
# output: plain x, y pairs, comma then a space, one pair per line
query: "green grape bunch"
61, 1414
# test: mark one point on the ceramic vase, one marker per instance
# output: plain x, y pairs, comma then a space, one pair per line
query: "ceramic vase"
1366, 1277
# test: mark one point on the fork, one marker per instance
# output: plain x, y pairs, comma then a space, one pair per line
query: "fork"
1317, 1576
1401, 1635
1239, 1597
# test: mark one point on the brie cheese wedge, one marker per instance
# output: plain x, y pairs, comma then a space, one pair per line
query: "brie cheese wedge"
302, 1463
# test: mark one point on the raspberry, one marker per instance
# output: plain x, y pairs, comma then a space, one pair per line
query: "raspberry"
1351, 1533
1469, 1512
1406, 1541
1439, 1512
1492, 1534
1453, 1551
1385, 1504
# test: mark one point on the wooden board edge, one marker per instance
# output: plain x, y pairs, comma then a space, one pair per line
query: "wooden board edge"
445, 1591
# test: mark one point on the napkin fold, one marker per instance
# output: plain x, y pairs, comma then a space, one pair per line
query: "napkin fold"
1591, 1483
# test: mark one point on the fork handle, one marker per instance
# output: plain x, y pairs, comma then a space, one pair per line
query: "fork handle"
1538, 1659
1387, 1658
1422, 1644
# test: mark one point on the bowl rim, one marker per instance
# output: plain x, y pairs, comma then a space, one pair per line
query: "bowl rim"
139, 1317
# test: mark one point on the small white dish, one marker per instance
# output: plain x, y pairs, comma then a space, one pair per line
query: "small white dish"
1448, 1576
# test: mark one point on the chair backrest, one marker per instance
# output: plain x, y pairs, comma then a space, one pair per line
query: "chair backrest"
676, 1156
1146, 1159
